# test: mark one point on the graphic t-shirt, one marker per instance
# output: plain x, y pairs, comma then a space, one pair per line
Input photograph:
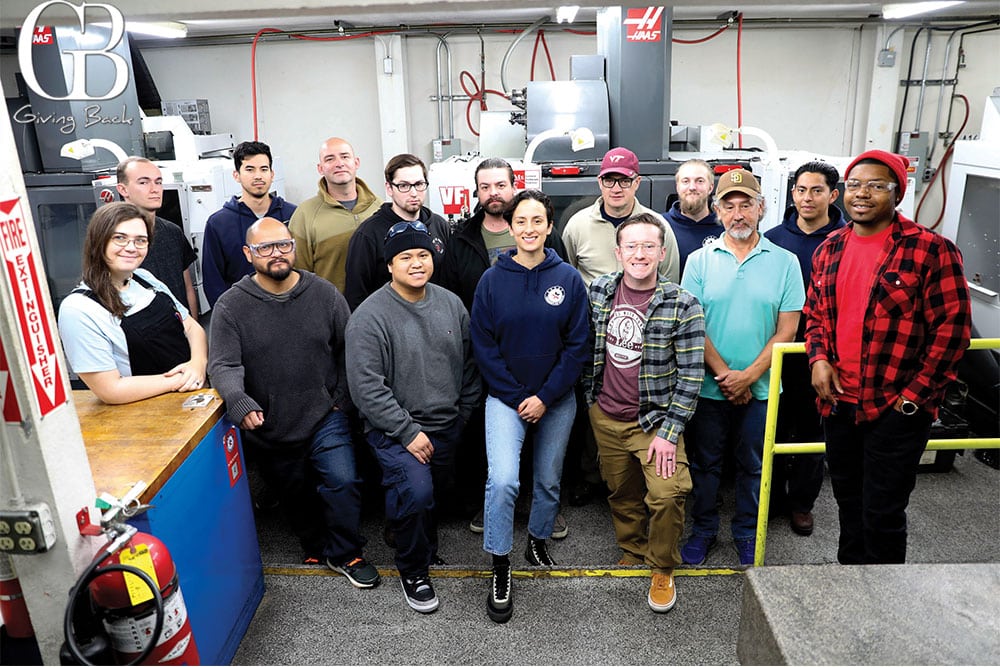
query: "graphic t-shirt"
619, 397
497, 243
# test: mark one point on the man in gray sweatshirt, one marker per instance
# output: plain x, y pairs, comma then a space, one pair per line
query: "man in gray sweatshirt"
289, 395
414, 381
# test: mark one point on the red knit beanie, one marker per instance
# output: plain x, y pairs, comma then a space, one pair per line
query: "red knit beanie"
897, 164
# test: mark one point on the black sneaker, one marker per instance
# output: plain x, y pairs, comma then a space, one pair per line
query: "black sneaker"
500, 601
358, 571
419, 594
537, 554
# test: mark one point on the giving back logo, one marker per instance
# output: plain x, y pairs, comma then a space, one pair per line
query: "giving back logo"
75, 61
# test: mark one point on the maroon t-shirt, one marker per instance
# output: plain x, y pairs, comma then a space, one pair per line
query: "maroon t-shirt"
619, 397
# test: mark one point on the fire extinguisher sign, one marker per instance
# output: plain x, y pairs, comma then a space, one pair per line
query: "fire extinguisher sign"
644, 24
24, 278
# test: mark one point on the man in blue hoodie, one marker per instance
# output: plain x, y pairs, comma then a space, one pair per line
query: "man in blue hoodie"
222, 259
798, 477
691, 218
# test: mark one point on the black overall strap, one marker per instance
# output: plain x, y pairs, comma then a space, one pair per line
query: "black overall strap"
155, 335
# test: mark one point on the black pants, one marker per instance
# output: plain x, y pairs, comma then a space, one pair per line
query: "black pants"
873, 469
796, 479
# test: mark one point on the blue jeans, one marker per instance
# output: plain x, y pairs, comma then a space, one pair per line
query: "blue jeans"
505, 432
413, 491
715, 426
873, 469
317, 485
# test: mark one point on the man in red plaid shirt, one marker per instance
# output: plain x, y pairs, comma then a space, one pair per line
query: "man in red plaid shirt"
888, 317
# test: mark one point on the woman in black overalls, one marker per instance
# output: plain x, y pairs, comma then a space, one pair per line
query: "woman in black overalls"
166, 350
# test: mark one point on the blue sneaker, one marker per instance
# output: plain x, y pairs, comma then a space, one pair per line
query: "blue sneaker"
695, 552
745, 549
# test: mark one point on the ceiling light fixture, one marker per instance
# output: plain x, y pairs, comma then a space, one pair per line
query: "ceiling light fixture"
905, 10
567, 13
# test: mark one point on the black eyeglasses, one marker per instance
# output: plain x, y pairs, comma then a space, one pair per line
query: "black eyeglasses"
419, 186
610, 182
401, 227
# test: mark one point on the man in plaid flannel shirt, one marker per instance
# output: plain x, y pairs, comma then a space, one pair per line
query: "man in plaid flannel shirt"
642, 388
888, 318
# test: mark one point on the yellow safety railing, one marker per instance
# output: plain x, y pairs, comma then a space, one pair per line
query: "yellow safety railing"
771, 448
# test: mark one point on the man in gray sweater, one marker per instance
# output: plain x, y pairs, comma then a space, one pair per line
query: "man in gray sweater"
414, 381
289, 395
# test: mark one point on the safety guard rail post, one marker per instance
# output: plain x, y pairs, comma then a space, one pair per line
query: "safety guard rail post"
771, 448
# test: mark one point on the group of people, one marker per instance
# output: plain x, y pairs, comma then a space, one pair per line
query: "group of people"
654, 331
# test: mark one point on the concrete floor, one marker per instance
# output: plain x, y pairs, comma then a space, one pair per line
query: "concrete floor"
586, 611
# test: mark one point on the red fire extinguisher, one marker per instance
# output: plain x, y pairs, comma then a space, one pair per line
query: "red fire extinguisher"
12, 605
134, 590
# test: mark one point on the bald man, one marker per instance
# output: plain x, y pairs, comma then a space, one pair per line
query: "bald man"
289, 395
323, 225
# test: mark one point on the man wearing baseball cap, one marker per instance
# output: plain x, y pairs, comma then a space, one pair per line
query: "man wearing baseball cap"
589, 236
413, 378
752, 294
888, 318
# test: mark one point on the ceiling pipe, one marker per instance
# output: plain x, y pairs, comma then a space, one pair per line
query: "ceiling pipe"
510, 49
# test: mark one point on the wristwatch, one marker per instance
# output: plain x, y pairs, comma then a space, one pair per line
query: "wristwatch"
908, 408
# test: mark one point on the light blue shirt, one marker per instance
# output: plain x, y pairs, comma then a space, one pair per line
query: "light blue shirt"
93, 338
742, 301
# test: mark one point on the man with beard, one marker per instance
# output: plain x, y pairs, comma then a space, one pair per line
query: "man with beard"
406, 189
887, 321
752, 294
277, 360
692, 219
222, 260
323, 225
477, 242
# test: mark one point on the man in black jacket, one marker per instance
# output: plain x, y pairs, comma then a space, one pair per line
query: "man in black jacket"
476, 244
406, 190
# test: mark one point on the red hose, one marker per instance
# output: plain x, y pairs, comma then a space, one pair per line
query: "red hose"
703, 39
940, 169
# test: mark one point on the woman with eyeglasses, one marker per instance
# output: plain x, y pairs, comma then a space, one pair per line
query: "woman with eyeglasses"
124, 333
530, 329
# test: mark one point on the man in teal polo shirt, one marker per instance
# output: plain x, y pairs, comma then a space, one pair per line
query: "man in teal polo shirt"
752, 294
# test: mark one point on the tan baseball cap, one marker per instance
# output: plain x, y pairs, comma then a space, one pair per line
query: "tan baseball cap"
737, 180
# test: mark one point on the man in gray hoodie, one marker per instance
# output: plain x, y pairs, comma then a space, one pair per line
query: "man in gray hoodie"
289, 395
414, 380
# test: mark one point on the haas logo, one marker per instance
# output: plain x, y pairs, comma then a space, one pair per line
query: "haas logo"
644, 25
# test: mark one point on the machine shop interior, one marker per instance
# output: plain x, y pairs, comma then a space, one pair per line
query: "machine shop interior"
762, 85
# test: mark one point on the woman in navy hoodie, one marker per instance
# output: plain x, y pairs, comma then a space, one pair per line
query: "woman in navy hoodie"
530, 329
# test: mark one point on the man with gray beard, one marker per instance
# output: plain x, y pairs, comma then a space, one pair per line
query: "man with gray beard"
752, 294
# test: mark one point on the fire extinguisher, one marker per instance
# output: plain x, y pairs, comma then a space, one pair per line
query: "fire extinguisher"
134, 591
12, 605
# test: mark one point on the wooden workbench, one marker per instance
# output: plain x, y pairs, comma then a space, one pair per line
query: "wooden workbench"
199, 503
146, 440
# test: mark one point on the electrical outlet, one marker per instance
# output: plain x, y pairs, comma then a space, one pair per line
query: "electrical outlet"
27, 530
